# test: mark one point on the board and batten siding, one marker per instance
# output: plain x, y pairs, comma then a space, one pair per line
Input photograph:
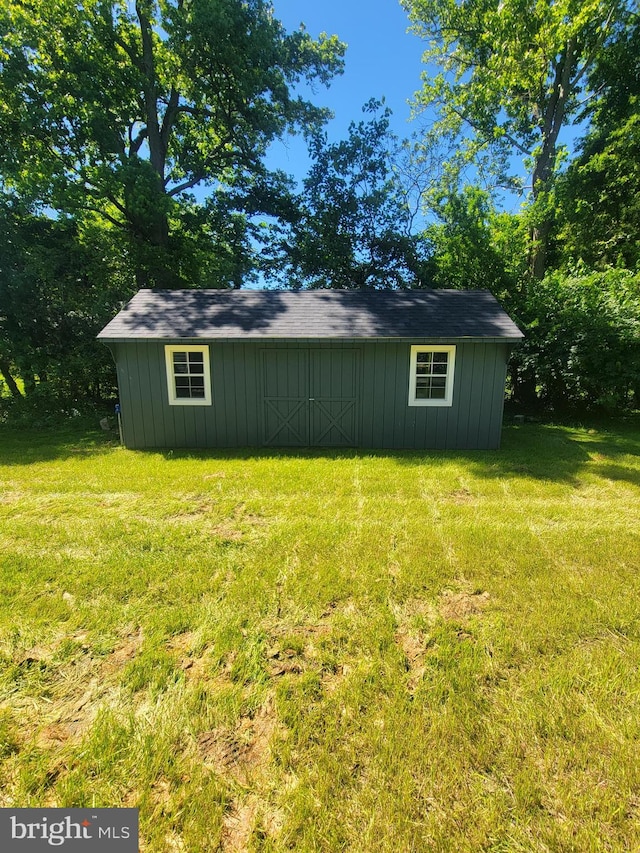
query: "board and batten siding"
369, 409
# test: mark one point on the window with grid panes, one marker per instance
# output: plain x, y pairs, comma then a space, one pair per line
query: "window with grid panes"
431, 375
188, 375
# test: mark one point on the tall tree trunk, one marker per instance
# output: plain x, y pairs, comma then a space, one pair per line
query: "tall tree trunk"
156, 228
5, 370
538, 250
551, 122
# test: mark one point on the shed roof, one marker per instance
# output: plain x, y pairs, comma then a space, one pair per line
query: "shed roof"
312, 314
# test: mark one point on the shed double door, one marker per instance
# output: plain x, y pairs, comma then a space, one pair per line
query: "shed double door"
310, 397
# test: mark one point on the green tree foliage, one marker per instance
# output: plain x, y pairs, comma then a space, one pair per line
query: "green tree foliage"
512, 76
599, 201
119, 108
354, 226
58, 287
598, 198
474, 246
582, 344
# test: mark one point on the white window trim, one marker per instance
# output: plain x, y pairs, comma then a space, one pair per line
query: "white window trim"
171, 385
451, 366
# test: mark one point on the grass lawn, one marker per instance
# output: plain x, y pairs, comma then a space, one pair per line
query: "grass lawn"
327, 651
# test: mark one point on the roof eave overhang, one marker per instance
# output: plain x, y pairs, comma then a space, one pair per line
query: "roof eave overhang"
479, 339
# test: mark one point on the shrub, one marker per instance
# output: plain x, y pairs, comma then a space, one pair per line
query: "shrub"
583, 339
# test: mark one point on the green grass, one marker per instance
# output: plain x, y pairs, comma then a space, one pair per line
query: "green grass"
327, 651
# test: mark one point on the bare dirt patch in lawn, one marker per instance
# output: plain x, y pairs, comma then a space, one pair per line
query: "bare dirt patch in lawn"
455, 606
461, 496
229, 526
243, 818
293, 648
124, 652
413, 617
227, 532
36, 654
193, 508
197, 664
243, 750
241, 754
69, 719
67, 698
223, 750
284, 662
183, 644
416, 616
414, 647
332, 679
238, 825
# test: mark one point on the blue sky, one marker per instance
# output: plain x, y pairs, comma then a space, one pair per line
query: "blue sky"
382, 60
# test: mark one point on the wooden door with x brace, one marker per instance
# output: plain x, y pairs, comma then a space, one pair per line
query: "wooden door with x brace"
310, 397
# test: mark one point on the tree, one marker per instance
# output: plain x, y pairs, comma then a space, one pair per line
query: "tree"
58, 287
474, 246
599, 201
598, 198
513, 75
354, 227
121, 108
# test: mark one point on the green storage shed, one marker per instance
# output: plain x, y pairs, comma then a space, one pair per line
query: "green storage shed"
321, 368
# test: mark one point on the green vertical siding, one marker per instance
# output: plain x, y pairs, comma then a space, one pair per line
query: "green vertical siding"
353, 393
283, 397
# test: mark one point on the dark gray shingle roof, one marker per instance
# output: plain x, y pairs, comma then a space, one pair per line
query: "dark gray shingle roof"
261, 314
